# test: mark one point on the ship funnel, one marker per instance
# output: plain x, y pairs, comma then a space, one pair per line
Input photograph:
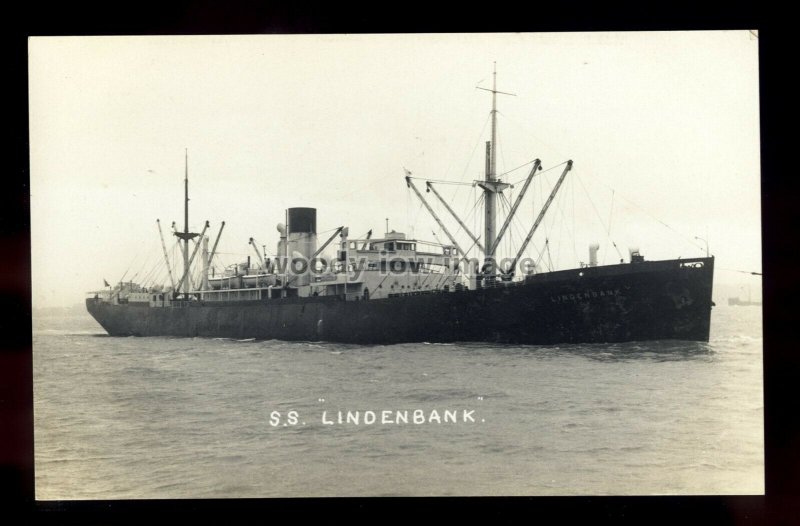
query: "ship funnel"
301, 235
302, 221
593, 248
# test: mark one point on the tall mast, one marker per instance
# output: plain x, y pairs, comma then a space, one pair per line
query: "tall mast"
491, 176
185, 236
186, 191
186, 218
491, 171
491, 186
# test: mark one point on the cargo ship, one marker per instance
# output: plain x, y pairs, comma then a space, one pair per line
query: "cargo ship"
393, 289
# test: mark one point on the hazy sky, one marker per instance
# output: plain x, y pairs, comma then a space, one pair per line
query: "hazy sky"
662, 127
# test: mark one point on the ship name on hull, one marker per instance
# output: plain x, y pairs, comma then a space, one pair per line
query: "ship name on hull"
584, 295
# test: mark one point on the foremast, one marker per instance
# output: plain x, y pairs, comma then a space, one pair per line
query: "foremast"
185, 236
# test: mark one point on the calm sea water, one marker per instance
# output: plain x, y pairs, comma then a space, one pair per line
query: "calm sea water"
119, 418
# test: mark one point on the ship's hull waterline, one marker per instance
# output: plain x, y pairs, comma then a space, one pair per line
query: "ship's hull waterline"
652, 300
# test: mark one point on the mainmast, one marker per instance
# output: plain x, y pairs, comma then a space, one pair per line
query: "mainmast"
493, 173
491, 186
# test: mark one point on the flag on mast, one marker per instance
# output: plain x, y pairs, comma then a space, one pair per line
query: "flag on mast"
105, 283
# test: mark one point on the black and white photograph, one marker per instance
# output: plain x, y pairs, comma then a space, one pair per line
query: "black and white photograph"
403, 265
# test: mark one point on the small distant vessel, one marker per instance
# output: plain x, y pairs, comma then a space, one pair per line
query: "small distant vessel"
392, 289
743, 303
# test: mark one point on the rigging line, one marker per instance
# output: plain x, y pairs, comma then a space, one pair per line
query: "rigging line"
362, 237
135, 274
472, 213
513, 225
548, 231
441, 181
520, 230
539, 253
565, 226
610, 212
506, 202
147, 263
153, 270
559, 218
509, 243
477, 142
538, 173
455, 195
562, 225
146, 279
514, 170
574, 230
686, 237
430, 273
608, 231
574, 233
559, 236
475, 204
161, 277
434, 282
516, 240
173, 252
144, 263
742, 271
155, 281
474, 218
168, 261
528, 131
135, 257
464, 211
502, 153
602, 223
468, 215
502, 202
408, 210
439, 281
563, 203
415, 217
539, 259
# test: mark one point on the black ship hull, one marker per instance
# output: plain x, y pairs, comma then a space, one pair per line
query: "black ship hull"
651, 300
